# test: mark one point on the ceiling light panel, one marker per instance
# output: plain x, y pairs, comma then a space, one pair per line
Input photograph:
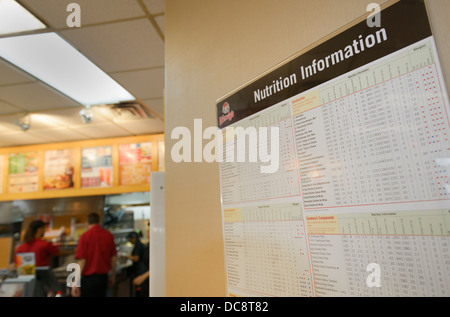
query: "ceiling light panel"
14, 18
54, 61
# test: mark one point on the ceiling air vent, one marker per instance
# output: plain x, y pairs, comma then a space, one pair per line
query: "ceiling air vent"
130, 110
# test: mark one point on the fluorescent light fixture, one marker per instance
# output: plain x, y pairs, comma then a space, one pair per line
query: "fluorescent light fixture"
54, 61
14, 18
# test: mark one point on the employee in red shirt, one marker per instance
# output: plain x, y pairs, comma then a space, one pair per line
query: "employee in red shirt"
46, 282
96, 254
33, 242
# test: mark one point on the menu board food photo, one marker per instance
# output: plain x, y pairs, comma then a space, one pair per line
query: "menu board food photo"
96, 167
135, 162
58, 169
23, 172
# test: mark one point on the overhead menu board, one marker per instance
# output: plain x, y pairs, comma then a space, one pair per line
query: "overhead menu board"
23, 172
359, 204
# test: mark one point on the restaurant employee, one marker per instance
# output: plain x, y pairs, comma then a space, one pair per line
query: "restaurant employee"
33, 242
96, 255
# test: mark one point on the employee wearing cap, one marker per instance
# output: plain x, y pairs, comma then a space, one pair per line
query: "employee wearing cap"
33, 242
137, 257
137, 253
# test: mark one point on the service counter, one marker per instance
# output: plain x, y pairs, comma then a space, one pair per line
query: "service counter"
54, 277
122, 286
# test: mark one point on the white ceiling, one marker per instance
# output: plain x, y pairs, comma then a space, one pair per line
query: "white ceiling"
125, 38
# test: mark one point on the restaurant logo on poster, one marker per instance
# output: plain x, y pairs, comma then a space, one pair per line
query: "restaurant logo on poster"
228, 114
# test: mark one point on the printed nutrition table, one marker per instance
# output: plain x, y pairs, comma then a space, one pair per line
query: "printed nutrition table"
386, 128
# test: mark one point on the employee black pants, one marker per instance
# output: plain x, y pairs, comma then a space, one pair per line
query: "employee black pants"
143, 290
94, 285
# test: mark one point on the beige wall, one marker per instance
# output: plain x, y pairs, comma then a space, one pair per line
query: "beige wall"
213, 47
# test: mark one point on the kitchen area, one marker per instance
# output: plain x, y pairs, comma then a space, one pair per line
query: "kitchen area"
121, 214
